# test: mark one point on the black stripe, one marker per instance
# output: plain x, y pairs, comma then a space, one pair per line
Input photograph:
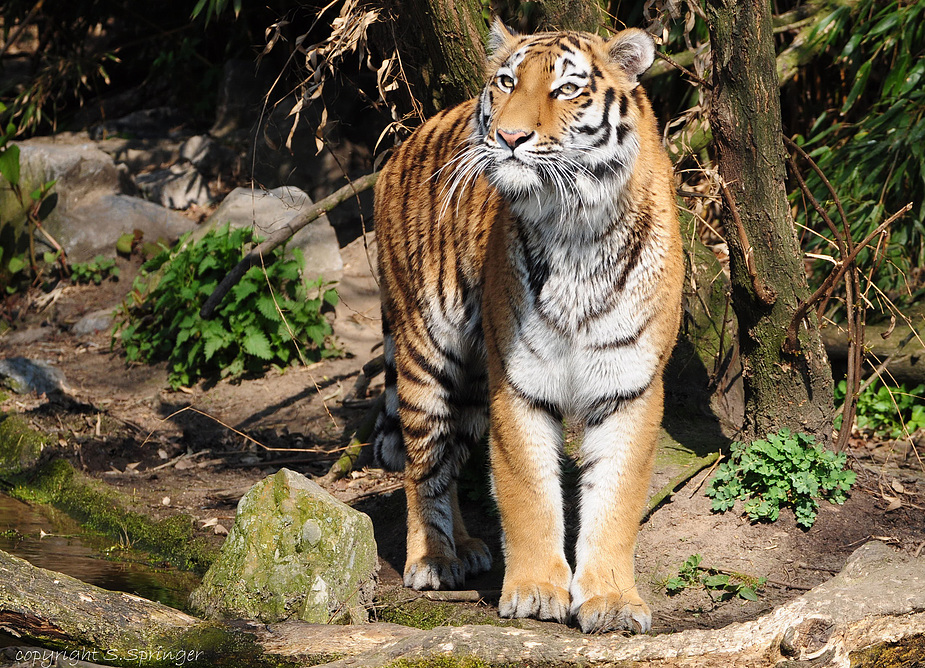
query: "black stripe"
433, 479
536, 403
448, 539
537, 271
622, 130
436, 373
405, 405
573, 41
391, 373
604, 407
422, 432
641, 231
441, 349
624, 341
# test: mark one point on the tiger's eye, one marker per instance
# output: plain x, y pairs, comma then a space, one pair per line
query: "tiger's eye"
505, 81
567, 89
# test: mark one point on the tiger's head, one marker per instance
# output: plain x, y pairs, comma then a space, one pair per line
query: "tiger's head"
558, 114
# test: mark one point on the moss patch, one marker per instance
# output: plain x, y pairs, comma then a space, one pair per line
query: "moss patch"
20, 444
903, 654
420, 613
102, 509
446, 662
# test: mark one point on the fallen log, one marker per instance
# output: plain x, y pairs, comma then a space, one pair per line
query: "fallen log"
898, 345
874, 607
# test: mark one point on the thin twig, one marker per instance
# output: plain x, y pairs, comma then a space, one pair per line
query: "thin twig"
766, 294
226, 426
463, 595
696, 77
17, 31
689, 472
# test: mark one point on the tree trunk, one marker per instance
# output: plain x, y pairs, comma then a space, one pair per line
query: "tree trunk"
447, 38
572, 15
782, 389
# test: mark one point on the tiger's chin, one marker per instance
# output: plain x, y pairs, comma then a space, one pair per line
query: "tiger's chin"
514, 178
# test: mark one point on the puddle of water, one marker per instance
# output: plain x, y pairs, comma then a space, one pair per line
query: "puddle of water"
62, 548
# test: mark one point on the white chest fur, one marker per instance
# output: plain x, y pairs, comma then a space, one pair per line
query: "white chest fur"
583, 328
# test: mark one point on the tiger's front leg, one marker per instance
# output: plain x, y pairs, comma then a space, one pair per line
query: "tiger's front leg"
617, 454
526, 443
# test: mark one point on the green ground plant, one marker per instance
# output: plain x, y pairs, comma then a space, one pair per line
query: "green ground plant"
886, 410
269, 318
95, 271
728, 584
785, 470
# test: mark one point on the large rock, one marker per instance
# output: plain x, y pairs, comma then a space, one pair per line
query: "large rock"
23, 375
267, 211
93, 206
294, 552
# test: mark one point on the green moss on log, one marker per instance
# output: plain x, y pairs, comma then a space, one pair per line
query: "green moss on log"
101, 508
907, 652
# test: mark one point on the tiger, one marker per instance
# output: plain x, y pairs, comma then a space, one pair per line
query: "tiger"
531, 274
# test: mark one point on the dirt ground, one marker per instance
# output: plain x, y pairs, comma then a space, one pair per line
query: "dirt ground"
198, 451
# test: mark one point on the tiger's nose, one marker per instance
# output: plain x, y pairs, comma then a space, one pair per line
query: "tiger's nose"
513, 139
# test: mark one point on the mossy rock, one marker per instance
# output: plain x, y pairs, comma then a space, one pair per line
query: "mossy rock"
20, 445
294, 552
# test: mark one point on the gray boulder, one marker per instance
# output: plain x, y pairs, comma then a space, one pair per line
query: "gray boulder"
23, 375
294, 552
268, 210
92, 209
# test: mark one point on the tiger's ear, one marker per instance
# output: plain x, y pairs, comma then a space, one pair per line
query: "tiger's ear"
499, 36
633, 50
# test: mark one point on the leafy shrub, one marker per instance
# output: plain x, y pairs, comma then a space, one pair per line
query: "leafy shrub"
871, 145
263, 320
888, 411
785, 470
731, 585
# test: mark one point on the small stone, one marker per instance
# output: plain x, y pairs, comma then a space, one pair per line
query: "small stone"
311, 534
93, 323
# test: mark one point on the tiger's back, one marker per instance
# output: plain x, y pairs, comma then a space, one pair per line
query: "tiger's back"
531, 271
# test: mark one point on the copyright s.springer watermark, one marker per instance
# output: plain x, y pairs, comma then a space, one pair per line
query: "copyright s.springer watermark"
46, 658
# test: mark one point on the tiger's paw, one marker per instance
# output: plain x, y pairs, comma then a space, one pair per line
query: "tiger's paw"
531, 599
613, 612
435, 573
475, 555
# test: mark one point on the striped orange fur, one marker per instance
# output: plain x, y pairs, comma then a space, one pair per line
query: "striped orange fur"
531, 272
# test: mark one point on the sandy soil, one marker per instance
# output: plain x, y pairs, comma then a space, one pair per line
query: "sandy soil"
198, 451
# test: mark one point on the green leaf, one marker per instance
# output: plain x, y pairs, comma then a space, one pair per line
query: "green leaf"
716, 581
16, 264
9, 164
267, 308
256, 344
747, 593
